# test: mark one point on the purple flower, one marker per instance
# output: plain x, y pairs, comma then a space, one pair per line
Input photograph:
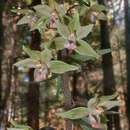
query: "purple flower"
42, 74
70, 45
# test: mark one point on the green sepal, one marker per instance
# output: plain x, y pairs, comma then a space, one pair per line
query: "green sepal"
22, 11
28, 63
46, 55
85, 49
59, 43
63, 30
24, 20
76, 113
34, 54
74, 23
43, 10
83, 31
61, 67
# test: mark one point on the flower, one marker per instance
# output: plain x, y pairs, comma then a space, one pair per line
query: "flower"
70, 45
94, 120
42, 74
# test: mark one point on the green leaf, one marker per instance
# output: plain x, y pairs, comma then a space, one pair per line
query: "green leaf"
33, 53
59, 43
45, 44
75, 23
29, 63
83, 10
104, 51
107, 98
81, 58
52, 4
63, 30
84, 2
85, 49
24, 20
110, 104
60, 67
22, 11
43, 10
46, 55
61, 9
99, 8
92, 103
15, 129
40, 24
75, 113
43, 27
25, 127
58, 7
83, 31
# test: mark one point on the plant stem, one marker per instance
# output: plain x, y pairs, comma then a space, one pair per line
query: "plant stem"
66, 91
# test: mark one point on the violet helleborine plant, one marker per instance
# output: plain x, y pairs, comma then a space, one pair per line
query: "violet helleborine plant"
66, 33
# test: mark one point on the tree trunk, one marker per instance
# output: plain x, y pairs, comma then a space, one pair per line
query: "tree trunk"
33, 92
1, 46
127, 36
107, 64
9, 22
